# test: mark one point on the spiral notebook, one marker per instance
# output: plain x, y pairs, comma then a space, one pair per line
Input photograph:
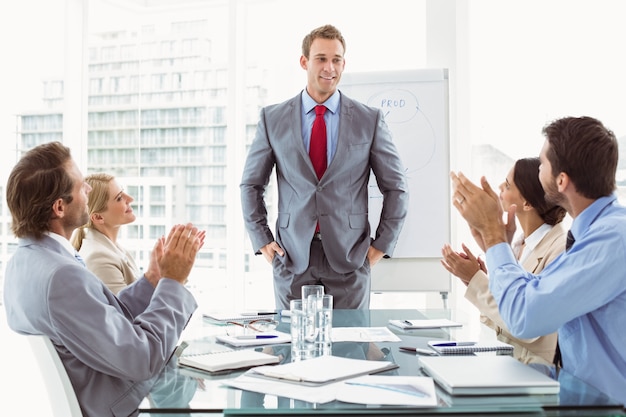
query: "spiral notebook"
449, 347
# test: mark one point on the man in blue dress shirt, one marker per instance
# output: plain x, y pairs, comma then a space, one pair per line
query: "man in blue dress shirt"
582, 293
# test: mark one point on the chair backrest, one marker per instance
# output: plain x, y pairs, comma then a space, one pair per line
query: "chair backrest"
62, 396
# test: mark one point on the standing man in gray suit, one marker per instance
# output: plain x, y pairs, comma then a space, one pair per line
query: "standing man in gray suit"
322, 230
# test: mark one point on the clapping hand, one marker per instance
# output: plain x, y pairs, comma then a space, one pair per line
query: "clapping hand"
180, 250
482, 210
462, 264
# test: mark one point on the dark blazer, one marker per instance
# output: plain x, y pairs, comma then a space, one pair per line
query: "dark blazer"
339, 201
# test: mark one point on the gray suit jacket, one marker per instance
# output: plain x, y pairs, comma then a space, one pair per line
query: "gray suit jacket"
113, 348
339, 201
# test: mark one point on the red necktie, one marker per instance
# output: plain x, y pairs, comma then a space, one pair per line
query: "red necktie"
317, 147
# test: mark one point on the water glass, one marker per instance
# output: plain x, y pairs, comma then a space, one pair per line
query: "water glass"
302, 331
311, 327
308, 290
321, 306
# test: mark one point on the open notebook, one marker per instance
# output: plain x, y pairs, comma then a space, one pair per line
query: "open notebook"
486, 375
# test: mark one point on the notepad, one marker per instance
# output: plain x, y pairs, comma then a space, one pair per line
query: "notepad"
444, 347
424, 323
225, 360
486, 375
281, 337
321, 370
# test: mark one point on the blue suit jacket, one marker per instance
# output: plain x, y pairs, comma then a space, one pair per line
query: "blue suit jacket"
339, 200
113, 348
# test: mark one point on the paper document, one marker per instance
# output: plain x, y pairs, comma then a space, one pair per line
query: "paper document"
321, 370
317, 395
417, 391
370, 389
424, 324
363, 334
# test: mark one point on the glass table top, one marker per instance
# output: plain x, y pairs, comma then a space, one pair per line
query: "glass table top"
185, 391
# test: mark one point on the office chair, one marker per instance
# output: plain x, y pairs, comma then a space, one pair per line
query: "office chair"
62, 396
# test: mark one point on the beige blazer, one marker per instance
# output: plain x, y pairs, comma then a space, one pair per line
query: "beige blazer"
539, 349
111, 263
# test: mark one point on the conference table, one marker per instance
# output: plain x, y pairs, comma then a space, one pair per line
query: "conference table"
182, 391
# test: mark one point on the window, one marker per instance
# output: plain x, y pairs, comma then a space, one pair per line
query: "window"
156, 232
157, 211
158, 77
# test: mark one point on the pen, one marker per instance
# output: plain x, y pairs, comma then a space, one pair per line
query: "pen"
418, 350
256, 336
407, 322
259, 313
454, 344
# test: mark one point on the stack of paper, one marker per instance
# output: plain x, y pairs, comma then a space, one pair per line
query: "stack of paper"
220, 361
